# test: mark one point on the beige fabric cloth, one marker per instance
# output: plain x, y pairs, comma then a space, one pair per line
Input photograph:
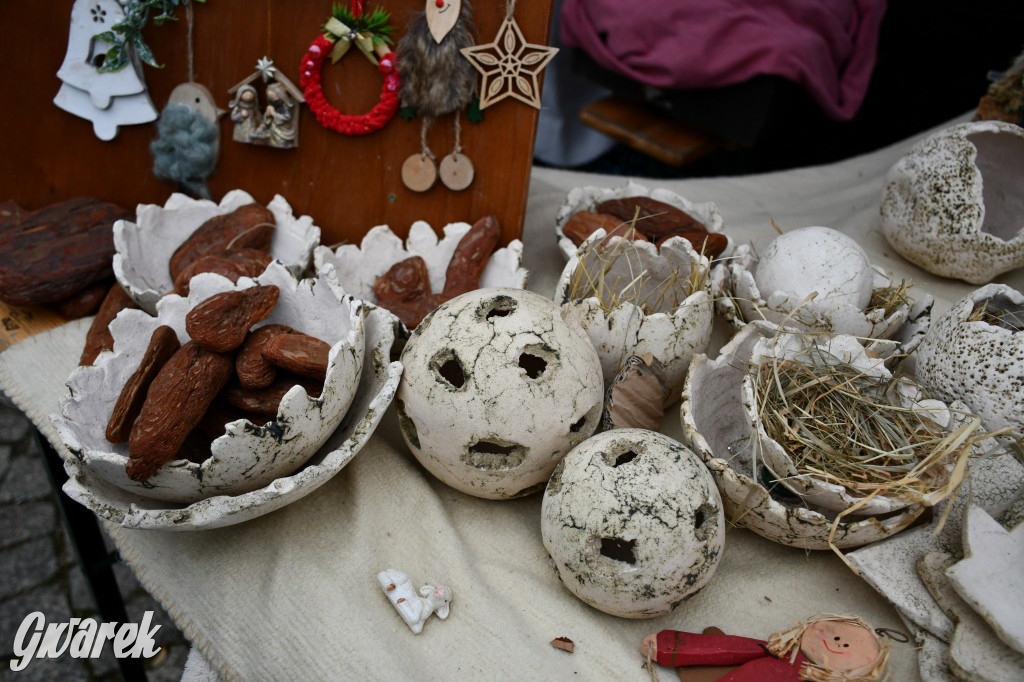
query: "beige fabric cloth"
293, 594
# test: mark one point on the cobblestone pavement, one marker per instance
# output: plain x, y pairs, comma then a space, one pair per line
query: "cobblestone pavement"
39, 570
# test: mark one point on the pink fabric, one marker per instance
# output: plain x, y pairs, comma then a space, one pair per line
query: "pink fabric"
827, 46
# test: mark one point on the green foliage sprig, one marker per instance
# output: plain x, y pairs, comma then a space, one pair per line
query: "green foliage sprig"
125, 36
374, 22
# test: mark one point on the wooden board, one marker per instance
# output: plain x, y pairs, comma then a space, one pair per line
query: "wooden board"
347, 184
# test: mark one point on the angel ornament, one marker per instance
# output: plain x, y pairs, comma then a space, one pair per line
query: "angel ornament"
437, 80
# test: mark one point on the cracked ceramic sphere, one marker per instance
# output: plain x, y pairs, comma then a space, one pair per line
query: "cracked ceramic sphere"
145, 246
633, 522
975, 353
719, 424
667, 311
953, 205
818, 279
496, 389
248, 456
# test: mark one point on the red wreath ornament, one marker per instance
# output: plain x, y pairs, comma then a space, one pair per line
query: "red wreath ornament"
372, 30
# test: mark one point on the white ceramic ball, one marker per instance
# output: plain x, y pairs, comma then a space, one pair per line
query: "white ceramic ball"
816, 259
496, 389
633, 522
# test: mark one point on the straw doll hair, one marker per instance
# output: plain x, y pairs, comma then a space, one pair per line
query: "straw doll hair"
786, 645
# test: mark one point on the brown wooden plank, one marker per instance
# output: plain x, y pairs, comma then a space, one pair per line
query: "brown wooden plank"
348, 184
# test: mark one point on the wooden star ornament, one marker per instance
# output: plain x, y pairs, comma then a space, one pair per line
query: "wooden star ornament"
509, 66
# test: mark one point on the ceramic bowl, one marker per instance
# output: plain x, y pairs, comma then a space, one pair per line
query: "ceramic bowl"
357, 268
145, 247
248, 456
739, 300
953, 205
717, 425
980, 362
587, 199
377, 385
677, 324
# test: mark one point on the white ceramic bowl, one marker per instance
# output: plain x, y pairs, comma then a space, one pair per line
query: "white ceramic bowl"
675, 329
357, 268
144, 248
717, 425
248, 456
587, 199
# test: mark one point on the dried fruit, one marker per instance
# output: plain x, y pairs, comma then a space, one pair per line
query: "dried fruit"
299, 353
99, 338
655, 219
404, 281
265, 401
85, 302
220, 323
232, 266
582, 224
249, 226
253, 370
176, 402
220, 414
162, 345
55, 252
470, 257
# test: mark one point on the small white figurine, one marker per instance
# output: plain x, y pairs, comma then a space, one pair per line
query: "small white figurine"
414, 609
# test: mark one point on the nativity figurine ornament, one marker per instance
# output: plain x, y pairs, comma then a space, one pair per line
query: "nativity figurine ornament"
277, 124
825, 648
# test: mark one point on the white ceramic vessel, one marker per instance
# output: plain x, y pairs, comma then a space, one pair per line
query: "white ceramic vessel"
719, 424
777, 287
633, 522
145, 247
979, 362
248, 456
496, 389
953, 205
677, 323
587, 198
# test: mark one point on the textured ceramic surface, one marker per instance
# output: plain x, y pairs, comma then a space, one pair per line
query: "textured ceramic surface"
587, 199
247, 457
633, 522
359, 267
679, 323
497, 388
773, 287
990, 576
953, 205
717, 425
144, 247
979, 363
377, 384
995, 483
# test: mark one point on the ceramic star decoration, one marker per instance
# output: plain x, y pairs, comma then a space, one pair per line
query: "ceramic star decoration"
509, 65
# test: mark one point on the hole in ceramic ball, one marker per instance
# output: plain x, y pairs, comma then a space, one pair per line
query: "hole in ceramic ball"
704, 517
533, 365
618, 549
449, 370
495, 454
625, 458
407, 425
578, 425
500, 306
1000, 160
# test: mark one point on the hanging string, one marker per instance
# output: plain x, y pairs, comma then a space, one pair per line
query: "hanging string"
267, 51
458, 134
191, 53
510, 8
424, 147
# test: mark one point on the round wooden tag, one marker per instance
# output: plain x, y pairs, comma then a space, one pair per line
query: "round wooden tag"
419, 173
456, 172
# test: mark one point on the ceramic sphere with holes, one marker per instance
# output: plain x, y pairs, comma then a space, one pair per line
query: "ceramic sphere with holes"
633, 522
496, 389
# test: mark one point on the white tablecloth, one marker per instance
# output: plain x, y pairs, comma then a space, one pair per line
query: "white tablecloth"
293, 594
